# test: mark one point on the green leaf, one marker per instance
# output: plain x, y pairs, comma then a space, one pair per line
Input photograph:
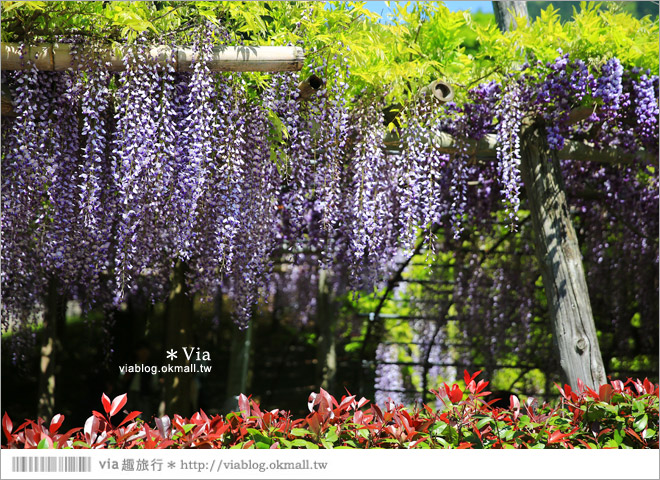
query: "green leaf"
353, 346
299, 442
388, 441
619, 435
284, 442
300, 432
641, 423
43, 443
483, 422
331, 435
327, 445
9, 6
278, 129
611, 443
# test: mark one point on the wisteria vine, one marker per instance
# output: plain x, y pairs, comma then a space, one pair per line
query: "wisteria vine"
169, 168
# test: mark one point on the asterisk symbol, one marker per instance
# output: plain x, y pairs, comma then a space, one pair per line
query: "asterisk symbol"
171, 464
171, 354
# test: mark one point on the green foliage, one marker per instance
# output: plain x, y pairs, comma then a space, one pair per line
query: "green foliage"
566, 9
418, 45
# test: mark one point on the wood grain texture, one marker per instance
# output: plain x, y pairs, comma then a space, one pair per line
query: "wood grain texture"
57, 57
559, 257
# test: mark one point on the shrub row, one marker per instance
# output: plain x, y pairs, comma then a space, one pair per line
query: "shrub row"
618, 415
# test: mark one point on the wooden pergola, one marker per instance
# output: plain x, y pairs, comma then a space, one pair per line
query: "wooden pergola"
556, 242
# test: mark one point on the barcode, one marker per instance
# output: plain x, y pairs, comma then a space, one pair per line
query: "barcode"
51, 464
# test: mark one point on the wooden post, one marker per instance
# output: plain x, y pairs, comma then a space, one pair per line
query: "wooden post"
57, 57
179, 318
326, 319
239, 362
54, 309
557, 247
560, 259
506, 13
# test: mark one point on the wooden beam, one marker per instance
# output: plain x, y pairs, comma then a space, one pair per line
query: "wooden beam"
57, 57
486, 149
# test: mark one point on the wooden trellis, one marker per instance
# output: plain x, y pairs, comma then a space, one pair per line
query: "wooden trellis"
540, 174
58, 57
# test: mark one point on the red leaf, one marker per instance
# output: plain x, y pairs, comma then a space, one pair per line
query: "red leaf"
648, 386
62, 439
129, 417
346, 402
447, 390
466, 377
618, 385
561, 390
580, 385
256, 411
98, 414
556, 436
584, 443
481, 385
514, 404
91, 428
7, 426
244, 404
605, 392
456, 394
106, 403
55, 423
117, 404
359, 417
593, 393
417, 442
390, 406
311, 401
568, 393
314, 422
632, 432
378, 411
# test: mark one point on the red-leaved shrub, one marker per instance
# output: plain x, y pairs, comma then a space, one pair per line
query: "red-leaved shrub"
618, 415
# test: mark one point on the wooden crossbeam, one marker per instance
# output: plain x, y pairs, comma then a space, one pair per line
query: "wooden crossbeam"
57, 57
486, 149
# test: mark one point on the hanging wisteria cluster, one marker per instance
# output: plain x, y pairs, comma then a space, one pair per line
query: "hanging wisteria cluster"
111, 182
